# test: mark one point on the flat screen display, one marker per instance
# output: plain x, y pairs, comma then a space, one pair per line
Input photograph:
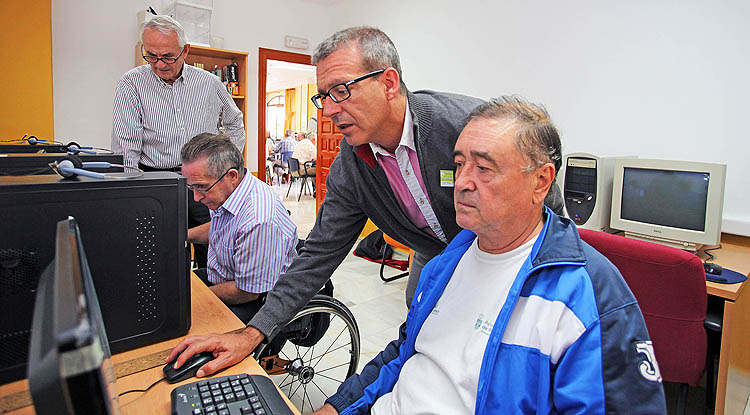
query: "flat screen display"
665, 197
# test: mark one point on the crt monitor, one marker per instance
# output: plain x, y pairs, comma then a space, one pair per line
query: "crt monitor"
69, 371
676, 203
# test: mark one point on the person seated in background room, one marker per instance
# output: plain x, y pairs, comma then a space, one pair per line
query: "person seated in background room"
285, 148
517, 314
305, 152
251, 239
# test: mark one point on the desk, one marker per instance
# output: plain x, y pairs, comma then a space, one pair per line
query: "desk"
139, 368
733, 382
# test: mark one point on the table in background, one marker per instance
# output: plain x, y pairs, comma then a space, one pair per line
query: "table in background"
733, 382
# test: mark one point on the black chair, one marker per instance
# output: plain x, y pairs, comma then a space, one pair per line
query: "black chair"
294, 175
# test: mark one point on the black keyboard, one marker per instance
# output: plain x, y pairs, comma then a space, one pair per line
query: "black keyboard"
229, 395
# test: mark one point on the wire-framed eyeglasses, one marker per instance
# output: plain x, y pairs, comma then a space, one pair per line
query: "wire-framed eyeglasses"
166, 59
202, 189
340, 92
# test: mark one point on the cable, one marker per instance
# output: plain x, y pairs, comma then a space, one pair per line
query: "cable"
143, 390
13, 140
32, 140
710, 256
67, 168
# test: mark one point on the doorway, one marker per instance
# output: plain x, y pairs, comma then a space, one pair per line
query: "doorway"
266, 57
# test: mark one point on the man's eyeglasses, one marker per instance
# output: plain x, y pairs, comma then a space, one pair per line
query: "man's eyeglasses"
341, 92
202, 189
166, 59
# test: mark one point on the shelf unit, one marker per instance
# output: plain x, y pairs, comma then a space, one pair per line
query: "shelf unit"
219, 57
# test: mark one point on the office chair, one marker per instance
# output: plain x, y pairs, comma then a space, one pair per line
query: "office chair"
670, 286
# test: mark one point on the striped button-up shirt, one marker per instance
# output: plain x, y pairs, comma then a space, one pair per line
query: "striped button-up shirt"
252, 239
152, 120
286, 145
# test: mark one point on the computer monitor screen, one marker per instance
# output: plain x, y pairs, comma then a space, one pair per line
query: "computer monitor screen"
673, 202
70, 370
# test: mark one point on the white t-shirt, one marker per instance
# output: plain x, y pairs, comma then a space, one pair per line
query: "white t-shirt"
443, 374
304, 151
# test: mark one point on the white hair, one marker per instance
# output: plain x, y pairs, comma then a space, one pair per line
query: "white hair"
166, 24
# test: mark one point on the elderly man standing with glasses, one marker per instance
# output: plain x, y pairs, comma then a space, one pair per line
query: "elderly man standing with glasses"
251, 239
158, 107
395, 167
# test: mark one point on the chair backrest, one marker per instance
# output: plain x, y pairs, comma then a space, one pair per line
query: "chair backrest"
285, 156
670, 286
293, 166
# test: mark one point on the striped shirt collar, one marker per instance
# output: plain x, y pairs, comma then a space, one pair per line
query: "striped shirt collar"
237, 198
407, 136
185, 75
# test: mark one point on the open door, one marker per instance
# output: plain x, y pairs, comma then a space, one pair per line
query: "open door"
264, 55
329, 145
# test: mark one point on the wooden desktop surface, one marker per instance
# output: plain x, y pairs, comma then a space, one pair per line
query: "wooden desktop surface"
733, 381
139, 368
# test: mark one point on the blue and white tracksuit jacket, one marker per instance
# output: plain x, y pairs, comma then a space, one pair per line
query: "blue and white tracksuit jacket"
607, 366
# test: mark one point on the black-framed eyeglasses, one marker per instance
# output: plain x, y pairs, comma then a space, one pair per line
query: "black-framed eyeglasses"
201, 189
166, 59
340, 92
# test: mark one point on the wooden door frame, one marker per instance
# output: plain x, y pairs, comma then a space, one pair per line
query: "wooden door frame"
264, 55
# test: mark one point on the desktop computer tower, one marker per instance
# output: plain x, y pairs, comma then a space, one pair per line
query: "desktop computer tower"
587, 189
133, 231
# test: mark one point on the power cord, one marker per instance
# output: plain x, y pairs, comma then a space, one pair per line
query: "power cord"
710, 256
143, 390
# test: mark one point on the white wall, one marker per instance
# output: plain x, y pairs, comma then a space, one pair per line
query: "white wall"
89, 58
659, 79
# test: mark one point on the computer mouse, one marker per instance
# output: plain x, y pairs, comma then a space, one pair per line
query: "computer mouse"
188, 369
711, 268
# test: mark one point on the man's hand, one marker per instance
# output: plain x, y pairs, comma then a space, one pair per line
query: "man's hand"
327, 409
228, 349
199, 234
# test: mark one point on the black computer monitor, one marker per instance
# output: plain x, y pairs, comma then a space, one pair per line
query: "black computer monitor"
135, 232
69, 371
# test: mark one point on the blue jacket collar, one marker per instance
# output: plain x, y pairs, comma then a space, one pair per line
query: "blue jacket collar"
566, 246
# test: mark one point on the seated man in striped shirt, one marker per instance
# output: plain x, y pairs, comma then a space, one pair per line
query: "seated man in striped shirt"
251, 239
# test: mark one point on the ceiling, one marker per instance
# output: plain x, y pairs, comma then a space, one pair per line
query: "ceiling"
282, 75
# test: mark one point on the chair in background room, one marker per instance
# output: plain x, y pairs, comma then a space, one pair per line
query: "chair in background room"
296, 174
670, 286
310, 169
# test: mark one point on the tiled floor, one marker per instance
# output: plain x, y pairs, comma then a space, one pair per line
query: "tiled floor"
379, 308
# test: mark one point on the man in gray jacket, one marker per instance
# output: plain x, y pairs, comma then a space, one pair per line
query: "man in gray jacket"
395, 167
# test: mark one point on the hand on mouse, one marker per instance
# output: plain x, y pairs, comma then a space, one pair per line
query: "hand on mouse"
229, 349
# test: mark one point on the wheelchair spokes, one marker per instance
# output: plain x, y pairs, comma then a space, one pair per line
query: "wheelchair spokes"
309, 373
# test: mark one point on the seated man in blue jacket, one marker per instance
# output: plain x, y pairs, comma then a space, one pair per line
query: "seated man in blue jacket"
517, 314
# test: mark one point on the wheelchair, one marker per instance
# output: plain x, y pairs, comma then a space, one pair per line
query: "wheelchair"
314, 353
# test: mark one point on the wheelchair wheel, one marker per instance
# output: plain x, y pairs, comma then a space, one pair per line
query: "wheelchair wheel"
317, 351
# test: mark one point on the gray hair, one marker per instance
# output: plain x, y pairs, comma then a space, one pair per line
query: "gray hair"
219, 151
536, 136
166, 24
375, 47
